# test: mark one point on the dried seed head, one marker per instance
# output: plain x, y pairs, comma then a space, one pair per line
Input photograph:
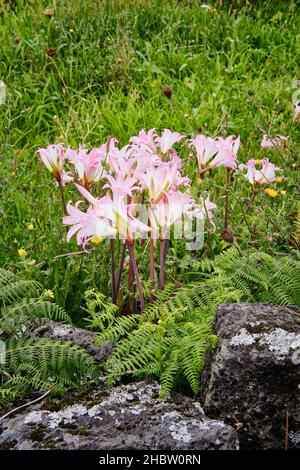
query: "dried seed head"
228, 235
167, 91
51, 51
16, 39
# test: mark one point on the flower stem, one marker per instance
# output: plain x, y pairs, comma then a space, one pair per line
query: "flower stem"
152, 270
162, 264
62, 197
130, 276
120, 270
227, 197
113, 271
166, 248
136, 275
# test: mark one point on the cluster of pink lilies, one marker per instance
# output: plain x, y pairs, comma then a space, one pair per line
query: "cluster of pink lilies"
115, 183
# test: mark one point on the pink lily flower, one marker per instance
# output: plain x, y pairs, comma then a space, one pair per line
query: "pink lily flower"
87, 165
144, 160
264, 174
117, 213
267, 171
167, 140
145, 140
121, 184
227, 152
53, 158
205, 148
120, 215
125, 162
158, 180
213, 153
86, 224
166, 213
272, 143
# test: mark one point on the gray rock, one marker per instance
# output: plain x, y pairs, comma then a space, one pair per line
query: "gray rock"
126, 417
252, 379
80, 336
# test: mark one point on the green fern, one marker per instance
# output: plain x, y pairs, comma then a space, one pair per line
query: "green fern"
262, 277
171, 339
42, 364
20, 317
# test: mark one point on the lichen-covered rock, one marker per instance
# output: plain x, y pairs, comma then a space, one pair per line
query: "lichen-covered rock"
252, 380
80, 336
126, 417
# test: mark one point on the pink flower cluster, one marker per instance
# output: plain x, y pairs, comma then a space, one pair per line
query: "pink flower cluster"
147, 171
140, 191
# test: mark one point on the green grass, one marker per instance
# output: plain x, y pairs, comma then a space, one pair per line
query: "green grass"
231, 67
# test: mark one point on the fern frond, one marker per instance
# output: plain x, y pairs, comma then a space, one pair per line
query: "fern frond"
41, 364
17, 319
17, 290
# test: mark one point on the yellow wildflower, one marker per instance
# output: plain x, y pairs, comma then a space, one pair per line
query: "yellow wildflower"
257, 162
279, 179
282, 192
49, 293
30, 227
271, 192
71, 30
96, 240
22, 252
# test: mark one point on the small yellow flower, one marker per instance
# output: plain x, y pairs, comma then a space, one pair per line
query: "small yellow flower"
22, 252
279, 179
14, 173
71, 30
199, 180
282, 192
96, 240
257, 162
49, 293
30, 227
271, 192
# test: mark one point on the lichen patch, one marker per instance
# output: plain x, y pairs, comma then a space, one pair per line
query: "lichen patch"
278, 341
